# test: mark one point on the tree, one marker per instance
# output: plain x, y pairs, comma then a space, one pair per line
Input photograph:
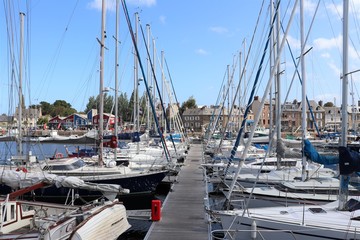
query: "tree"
46, 108
42, 120
123, 107
108, 103
328, 104
92, 104
62, 108
190, 103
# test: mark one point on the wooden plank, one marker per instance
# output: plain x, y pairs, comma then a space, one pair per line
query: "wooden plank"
183, 213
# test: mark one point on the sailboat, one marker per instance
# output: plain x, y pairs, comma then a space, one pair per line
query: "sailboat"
335, 220
39, 220
101, 172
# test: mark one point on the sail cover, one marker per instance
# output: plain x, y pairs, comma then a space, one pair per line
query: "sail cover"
311, 153
20, 179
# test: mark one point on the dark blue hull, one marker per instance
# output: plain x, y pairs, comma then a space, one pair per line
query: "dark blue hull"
138, 185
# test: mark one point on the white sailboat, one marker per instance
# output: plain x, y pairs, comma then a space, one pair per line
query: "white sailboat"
39, 220
137, 181
335, 220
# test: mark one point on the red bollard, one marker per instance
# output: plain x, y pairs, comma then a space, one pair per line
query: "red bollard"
155, 210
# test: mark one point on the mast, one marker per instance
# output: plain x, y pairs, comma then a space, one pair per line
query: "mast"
148, 77
277, 85
343, 190
272, 59
19, 139
101, 96
303, 75
136, 85
116, 75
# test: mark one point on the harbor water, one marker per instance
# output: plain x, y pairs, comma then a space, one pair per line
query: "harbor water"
139, 227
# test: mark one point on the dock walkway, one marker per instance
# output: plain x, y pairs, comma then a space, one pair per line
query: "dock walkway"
183, 212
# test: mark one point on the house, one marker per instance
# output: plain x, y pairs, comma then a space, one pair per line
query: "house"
30, 116
56, 122
264, 120
198, 119
109, 120
75, 121
291, 117
5, 121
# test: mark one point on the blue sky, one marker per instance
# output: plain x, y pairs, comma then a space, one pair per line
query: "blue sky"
199, 39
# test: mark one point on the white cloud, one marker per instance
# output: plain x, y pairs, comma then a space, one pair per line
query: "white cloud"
336, 69
335, 9
220, 30
324, 43
162, 19
325, 55
293, 42
201, 51
309, 6
111, 4
146, 3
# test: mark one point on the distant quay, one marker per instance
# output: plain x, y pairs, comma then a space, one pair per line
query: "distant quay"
46, 133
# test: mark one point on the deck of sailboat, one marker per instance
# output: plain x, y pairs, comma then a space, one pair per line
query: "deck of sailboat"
183, 213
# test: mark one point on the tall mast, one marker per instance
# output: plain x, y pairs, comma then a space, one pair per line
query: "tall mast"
278, 88
19, 139
272, 59
136, 82
116, 74
101, 105
343, 192
148, 77
303, 89
162, 92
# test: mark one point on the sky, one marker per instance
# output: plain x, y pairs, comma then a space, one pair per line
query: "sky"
203, 42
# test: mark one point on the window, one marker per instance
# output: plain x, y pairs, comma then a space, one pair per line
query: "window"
12, 211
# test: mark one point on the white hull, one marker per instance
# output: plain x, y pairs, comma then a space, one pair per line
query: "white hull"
109, 223
295, 222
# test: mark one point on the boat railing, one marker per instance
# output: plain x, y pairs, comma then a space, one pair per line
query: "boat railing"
228, 234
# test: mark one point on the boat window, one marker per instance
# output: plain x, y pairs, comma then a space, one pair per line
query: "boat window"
317, 210
74, 165
12, 211
352, 205
4, 213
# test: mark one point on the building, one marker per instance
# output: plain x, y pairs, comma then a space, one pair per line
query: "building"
198, 119
30, 116
75, 121
56, 122
291, 118
109, 120
264, 120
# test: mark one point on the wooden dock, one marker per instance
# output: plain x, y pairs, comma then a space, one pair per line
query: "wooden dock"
183, 213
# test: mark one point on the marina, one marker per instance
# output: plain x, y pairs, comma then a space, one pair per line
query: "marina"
133, 163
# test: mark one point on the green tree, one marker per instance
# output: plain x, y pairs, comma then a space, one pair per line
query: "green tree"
190, 103
46, 108
329, 104
123, 107
62, 108
42, 120
108, 103
94, 103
